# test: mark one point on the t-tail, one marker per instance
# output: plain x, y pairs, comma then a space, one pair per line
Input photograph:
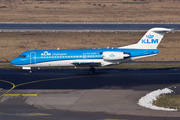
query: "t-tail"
150, 40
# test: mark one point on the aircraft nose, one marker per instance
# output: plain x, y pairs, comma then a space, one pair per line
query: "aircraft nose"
13, 62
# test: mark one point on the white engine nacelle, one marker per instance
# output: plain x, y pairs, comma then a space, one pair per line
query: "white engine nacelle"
114, 55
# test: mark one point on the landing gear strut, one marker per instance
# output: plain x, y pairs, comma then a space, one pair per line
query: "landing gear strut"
92, 70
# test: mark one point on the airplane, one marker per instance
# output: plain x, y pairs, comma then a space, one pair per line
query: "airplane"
146, 47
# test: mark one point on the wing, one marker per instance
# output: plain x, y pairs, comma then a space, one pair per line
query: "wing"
87, 64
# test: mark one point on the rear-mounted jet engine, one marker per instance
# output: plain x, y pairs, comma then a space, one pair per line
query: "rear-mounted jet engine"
115, 55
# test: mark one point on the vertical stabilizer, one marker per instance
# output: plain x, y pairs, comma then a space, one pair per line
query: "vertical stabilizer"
150, 40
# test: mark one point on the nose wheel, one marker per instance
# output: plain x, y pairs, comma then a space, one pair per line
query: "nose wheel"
30, 71
92, 70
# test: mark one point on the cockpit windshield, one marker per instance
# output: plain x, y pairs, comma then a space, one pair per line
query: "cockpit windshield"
23, 56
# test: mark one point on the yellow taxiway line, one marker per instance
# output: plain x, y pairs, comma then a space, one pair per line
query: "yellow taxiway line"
29, 94
11, 94
20, 95
13, 86
53, 79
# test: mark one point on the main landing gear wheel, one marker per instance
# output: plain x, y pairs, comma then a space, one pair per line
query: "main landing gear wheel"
92, 70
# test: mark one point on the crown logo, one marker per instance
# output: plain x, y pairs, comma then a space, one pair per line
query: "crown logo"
112, 55
149, 36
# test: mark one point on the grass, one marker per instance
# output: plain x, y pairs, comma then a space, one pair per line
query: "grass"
135, 2
121, 66
89, 11
145, 65
13, 44
168, 101
6, 65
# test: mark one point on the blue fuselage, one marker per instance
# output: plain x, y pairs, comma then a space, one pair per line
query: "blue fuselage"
42, 56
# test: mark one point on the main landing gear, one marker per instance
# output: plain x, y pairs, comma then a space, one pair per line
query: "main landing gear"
92, 70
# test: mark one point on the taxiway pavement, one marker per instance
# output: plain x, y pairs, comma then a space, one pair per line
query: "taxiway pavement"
84, 27
75, 95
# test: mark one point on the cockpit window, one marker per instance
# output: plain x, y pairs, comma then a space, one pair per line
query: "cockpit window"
23, 56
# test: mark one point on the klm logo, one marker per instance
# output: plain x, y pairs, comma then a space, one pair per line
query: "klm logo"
149, 40
45, 53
